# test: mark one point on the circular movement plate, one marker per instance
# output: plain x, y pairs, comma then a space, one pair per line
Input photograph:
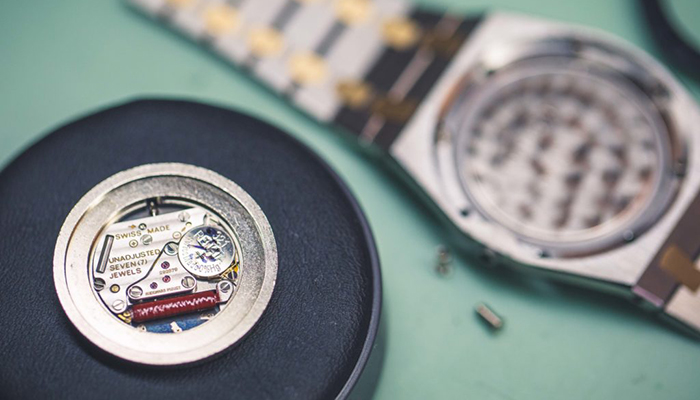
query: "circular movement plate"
88, 294
311, 341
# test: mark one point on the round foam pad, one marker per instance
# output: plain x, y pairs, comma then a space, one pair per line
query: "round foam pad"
316, 333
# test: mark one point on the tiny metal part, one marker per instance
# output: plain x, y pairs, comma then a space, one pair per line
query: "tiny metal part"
125, 316
188, 282
225, 290
225, 286
175, 327
104, 254
99, 284
119, 305
135, 292
174, 306
443, 266
444, 255
171, 249
232, 272
146, 240
494, 321
153, 209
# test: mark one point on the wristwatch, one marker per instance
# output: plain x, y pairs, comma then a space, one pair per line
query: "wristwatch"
544, 146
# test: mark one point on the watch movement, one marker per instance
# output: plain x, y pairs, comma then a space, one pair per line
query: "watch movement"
165, 264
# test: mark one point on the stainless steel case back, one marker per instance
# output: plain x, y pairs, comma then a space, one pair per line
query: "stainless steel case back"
569, 135
503, 41
253, 241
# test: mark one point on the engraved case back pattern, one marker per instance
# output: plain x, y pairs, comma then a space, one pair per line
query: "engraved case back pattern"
360, 64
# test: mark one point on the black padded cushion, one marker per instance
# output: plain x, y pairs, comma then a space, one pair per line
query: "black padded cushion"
307, 343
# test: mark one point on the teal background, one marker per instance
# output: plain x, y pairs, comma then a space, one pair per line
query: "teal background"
62, 59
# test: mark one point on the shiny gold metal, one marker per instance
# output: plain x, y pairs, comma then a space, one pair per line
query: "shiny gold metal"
678, 264
221, 19
126, 316
394, 110
355, 94
265, 42
353, 11
401, 33
307, 68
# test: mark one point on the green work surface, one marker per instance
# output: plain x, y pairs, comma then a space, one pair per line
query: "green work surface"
63, 59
